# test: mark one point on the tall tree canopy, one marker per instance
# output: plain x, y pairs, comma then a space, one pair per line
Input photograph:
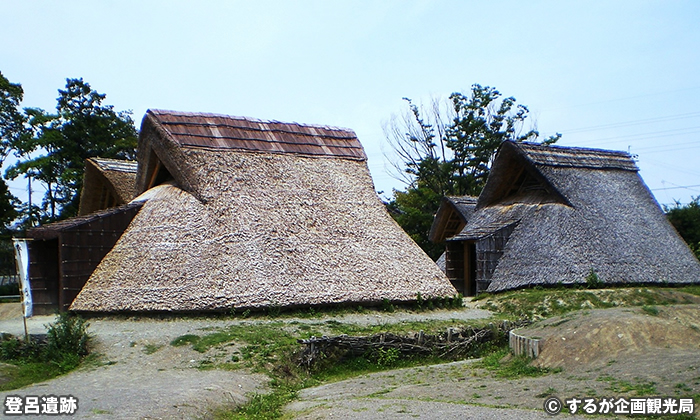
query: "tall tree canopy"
447, 149
12, 131
56, 146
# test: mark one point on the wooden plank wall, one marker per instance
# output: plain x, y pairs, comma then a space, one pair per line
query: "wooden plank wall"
488, 251
83, 247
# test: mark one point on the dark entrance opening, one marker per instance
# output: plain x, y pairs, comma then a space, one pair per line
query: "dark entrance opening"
460, 266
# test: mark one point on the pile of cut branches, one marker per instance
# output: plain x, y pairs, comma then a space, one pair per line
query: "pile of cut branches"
454, 343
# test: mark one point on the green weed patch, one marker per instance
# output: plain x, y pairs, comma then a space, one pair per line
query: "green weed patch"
64, 348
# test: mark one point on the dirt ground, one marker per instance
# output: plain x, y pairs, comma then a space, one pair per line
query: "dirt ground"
141, 376
601, 353
596, 353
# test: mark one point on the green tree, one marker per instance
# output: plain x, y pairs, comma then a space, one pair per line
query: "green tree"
686, 220
12, 120
483, 121
448, 149
12, 131
82, 127
414, 210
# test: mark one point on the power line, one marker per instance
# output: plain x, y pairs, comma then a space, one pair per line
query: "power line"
635, 122
644, 136
675, 188
673, 167
657, 147
646, 95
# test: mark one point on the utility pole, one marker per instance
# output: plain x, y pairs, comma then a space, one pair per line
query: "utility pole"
29, 190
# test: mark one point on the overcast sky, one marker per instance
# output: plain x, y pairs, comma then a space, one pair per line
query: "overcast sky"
621, 75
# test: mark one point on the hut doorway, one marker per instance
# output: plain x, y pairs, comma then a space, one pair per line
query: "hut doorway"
460, 266
469, 269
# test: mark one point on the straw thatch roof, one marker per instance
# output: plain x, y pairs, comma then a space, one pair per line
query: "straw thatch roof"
106, 183
246, 213
451, 217
565, 211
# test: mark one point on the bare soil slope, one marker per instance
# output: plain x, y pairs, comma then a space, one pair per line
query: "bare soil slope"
593, 338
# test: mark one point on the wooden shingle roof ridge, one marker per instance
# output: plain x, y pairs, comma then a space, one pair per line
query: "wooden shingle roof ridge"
350, 133
225, 132
576, 157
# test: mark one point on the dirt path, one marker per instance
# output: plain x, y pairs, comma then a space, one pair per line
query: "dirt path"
449, 391
131, 384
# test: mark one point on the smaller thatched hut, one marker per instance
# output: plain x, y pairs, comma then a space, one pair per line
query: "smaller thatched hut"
554, 215
107, 183
452, 215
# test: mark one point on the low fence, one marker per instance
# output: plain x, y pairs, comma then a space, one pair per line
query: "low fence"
523, 346
453, 343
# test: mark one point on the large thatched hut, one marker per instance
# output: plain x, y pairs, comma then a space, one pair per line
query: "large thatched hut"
554, 215
243, 213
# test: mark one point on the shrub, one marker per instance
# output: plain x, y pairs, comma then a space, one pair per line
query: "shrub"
11, 289
593, 281
67, 336
387, 356
387, 306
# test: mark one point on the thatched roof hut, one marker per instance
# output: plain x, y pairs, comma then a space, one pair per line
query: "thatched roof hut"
107, 183
551, 215
452, 215
243, 213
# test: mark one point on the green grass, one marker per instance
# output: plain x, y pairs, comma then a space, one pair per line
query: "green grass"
538, 303
547, 392
22, 374
650, 310
276, 312
185, 340
151, 348
693, 290
641, 389
504, 365
261, 406
270, 348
